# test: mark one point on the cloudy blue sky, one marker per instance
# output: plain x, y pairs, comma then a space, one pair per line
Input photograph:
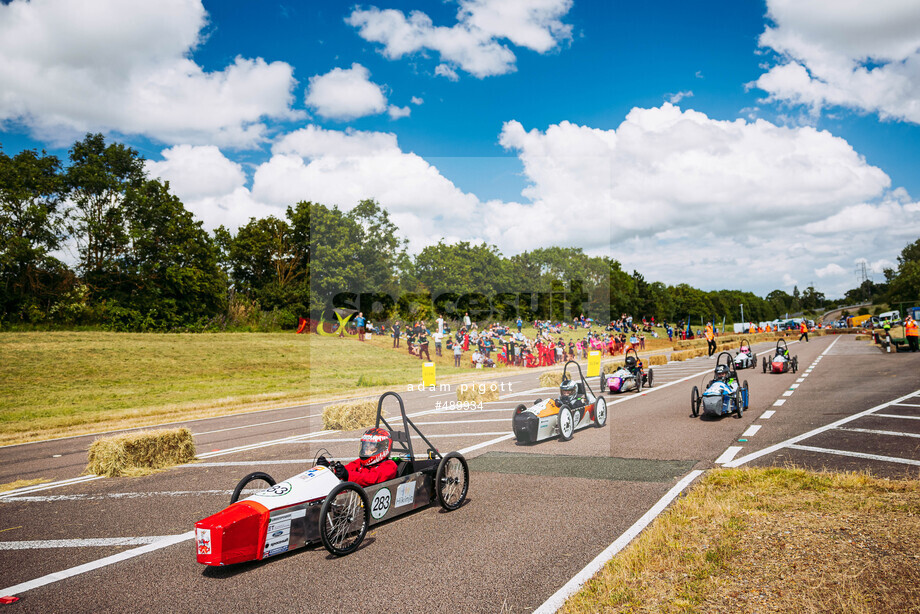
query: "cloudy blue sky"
752, 145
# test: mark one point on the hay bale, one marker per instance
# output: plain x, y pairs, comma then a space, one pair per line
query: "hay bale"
657, 359
611, 367
140, 452
483, 392
350, 415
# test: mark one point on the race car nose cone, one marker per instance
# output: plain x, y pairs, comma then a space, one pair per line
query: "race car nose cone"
232, 535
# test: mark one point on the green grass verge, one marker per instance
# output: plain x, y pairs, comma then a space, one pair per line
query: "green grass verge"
65, 383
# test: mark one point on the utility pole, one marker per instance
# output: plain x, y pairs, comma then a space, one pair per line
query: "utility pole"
742, 314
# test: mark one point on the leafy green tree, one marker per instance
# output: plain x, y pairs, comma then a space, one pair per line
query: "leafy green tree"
904, 285
99, 179
31, 227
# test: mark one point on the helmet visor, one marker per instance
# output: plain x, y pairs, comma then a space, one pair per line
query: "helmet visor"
371, 448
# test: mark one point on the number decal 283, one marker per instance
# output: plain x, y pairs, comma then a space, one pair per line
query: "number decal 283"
381, 503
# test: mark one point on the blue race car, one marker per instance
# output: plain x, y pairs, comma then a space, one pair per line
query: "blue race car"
722, 395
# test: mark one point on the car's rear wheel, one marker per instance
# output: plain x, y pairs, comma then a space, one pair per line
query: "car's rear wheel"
695, 401
739, 404
746, 394
764, 364
566, 424
344, 518
255, 482
651, 377
638, 382
600, 412
603, 381
452, 481
795, 364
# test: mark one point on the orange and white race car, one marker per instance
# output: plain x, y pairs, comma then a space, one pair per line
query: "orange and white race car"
576, 407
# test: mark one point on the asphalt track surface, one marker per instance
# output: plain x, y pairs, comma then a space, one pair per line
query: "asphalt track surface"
529, 523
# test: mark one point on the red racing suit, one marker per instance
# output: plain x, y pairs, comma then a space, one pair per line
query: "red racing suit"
363, 475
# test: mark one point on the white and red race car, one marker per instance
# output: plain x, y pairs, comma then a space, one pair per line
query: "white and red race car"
315, 506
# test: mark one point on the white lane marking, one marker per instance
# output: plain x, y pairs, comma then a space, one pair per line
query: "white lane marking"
249, 426
22, 587
351, 439
800, 380
81, 543
113, 495
463, 421
265, 444
826, 350
793, 440
906, 404
793, 386
788, 393
293, 461
778, 402
875, 432
767, 414
887, 459
804, 375
523, 392
897, 416
751, 430
39, 487
486, 443
729, 454
448, 411
558, 598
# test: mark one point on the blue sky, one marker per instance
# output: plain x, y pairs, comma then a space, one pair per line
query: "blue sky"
753, 145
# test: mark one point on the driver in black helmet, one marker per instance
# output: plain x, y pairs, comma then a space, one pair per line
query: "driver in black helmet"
567, 392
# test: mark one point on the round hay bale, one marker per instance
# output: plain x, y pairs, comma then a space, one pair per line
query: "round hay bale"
657, 359
482, 392
350, 416
140, 452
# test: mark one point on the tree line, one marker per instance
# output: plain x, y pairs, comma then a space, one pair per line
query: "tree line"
143, 262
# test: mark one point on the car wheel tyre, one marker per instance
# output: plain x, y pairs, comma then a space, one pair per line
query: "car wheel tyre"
257, 479
739, 404
538, 401
452, 481
603, 381
695, 401
651, 377
566, 424
746, 394
639, 383
344, 519
600, 412
765, 364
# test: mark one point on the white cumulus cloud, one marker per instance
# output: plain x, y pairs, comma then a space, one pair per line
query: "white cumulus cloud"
861, 55
124, 65
345, 94
473, 44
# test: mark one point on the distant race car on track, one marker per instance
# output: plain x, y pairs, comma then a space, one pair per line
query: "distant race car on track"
782, 361
315, 506
722, 395
575, 408
745, 358
631, 376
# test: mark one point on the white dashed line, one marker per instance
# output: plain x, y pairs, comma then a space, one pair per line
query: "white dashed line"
788, 393
778, 402
767, 414
729, 454
751, 430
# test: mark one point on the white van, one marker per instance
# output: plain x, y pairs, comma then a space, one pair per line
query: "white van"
890, 316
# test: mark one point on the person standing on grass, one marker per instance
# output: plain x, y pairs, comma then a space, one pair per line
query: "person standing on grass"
423, 345
803, 328
359, 322
437, 343
396, 334
520, 323
440, 327
466, 320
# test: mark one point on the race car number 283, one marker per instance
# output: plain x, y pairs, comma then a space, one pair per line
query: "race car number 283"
380, 503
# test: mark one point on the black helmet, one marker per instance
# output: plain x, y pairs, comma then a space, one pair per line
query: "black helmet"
567, 389
721, 372
630, 361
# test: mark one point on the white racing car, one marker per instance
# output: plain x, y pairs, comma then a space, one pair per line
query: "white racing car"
745, 358
315, 506
576, 408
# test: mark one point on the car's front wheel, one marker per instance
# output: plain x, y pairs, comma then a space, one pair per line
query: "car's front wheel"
344, 519
600, 412
258, 480
566, 424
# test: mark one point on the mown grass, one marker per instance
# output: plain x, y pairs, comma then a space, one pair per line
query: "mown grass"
66, 383
771, 540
